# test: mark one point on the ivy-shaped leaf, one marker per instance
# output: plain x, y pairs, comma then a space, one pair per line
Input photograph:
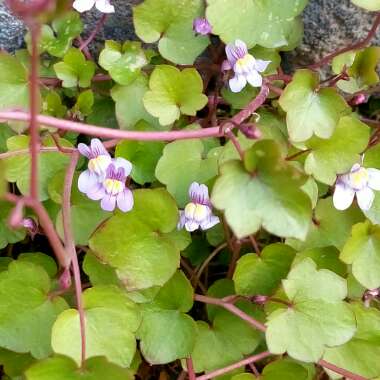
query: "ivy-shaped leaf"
370, 5
111, 322
57, 39
141, 244
171, 23
263, 191
123, 62
263, 274
63, 368
184, 162
166, 333
285, 369
18, 167
337, 154
75, 70
174, 92
262, 22
362, 250
143, 154
310, 109
329, 227
8, 235
317, 314
28, 312
360, 355
129, 105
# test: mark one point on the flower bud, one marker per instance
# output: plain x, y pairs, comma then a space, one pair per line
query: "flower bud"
31, 226
251, 131
260, 300
202, 26
65, 279
358, 99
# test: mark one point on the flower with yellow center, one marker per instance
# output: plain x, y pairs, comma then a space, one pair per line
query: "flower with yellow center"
198, 212
246, 68
359, 182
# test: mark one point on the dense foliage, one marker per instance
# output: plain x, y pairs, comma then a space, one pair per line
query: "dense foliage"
178, 206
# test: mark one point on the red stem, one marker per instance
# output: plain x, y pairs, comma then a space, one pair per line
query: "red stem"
33, 130
93, 34
70, 246
355, 46
241, 363
190, 369
232, 308
340, 371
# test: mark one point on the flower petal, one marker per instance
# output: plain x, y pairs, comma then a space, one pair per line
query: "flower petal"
374, 179
209, 223
83, 5
84, 150
105, 6
123, 163
235, 51
237, 83
87, 180
191, 225
261, 65
254, 79
108, 203
355, 168
98, 148
182, 220
226, 65
97, 192
343, 196
198, 193
365, 198
125, 200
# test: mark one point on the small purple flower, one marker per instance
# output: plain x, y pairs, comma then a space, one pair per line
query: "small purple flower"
99, 160
112, 191
244, 65
197, 213
202, 26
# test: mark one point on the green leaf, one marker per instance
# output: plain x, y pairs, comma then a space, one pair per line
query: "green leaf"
361, 67
266, 23
360, 355
143, 154
140, 244
63, 368
370, 5
170, 22
362, 250
28, 312
18, 167
75, 70
337, 154
166, 333
111, 320
14, 364
263, 274
56, 40
38, 258
8, 235
182, 163
329, 227
284, 369
123, 62
52, 105
83, 105
14, 90
372, 157
311, 110
317, 314
129, 104
264, 191
103, 112
174, 92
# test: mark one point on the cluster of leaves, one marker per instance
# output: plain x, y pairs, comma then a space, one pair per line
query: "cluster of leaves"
287, 259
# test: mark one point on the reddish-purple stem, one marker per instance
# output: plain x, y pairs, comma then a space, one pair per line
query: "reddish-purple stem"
34, 99
190, 369
355, 46
93, 34
232, 308
70, 247
236, 143
241, 363
341, 371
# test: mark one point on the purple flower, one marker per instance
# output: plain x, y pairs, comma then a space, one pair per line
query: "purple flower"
360, 182
112, 191
99, 160
197, 213
202, 26
244, 65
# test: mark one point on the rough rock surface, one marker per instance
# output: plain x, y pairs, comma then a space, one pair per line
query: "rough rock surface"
329, 24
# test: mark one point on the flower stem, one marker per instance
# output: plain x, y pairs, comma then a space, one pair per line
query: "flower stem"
93, 34
190, 369
340, 371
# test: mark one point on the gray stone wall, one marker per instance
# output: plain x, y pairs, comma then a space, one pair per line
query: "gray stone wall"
329, 24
